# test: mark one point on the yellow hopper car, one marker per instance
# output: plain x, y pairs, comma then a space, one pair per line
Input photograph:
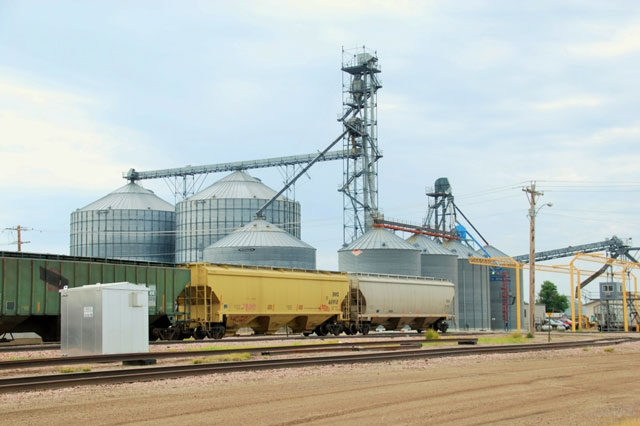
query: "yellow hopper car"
223, 298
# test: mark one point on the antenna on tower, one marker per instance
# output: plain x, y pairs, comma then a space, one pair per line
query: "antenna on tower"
360, 84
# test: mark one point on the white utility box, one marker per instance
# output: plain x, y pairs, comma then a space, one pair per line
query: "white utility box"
104, 319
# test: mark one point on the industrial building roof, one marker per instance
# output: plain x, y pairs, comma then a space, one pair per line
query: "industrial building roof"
494, 252
379, 238
238, 184
428, 245
260, 233
130, 197
462, 250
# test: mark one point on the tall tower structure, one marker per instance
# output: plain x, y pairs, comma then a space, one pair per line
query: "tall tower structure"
441, 213
359, 119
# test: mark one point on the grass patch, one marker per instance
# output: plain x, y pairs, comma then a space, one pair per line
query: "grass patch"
586, 349
18, 358
609, 350
244, 356
529, 336
514, 338
228, 347
438, 343
431, 334
84, 369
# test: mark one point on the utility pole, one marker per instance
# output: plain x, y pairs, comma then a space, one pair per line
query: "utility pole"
19, 241
532, 195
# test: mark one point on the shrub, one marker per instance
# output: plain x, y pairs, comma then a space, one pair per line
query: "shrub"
529, 335
431, 334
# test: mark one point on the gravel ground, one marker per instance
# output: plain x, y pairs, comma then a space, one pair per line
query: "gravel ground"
568, 387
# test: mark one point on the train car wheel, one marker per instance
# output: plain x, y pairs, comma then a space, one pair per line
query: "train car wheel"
365, 329
199, 333
217, 332
353, 329
321, 330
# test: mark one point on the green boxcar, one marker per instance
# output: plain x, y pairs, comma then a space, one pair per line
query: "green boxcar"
30, 284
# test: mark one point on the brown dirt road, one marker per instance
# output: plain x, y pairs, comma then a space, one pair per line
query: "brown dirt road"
569, 387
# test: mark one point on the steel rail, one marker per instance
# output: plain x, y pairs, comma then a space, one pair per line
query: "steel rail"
375, 335
156, 373
92, 359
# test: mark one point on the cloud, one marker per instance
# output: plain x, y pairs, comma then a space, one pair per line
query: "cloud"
569, 102
621, 42
49, 138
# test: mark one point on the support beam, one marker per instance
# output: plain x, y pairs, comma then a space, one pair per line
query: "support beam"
612, 244
132, 175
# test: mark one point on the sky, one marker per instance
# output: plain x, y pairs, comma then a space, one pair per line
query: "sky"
491, 94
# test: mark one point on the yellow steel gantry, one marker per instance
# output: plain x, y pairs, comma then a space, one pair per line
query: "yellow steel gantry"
571, 269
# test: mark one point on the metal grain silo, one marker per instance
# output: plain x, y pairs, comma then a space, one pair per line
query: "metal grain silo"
503, 293
129, 223
225, 206
472, 289
382, 252
261, 243
435, 260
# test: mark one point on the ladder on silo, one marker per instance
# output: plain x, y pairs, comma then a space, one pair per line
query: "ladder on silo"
505, 297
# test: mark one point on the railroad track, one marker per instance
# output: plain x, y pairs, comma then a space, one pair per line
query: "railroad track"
156, 373
382, 335
266, 350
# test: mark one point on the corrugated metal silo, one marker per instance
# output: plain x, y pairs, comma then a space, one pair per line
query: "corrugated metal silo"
381, 252
472, 289
435, 260
503, 293
261, 243
225, 206
129, 223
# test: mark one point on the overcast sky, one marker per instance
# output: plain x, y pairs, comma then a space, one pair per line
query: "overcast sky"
491, 94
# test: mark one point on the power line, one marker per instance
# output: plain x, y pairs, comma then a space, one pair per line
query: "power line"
19, 229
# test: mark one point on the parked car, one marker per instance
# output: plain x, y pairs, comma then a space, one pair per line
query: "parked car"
553, 324
565, 321
558, 325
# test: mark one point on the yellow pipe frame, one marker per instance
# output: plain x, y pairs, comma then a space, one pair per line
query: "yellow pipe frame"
578, 295
571, 268
573, 305
624, 302
518, 303
635, 296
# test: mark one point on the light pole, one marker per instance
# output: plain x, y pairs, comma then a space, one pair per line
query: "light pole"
532, 195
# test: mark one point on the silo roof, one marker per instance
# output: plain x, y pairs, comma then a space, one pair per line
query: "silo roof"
494, 252
462, 250
379, 238
237, 185
260, 233
427, 245
130, 197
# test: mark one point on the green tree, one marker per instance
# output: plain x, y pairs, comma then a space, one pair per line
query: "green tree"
553, 301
